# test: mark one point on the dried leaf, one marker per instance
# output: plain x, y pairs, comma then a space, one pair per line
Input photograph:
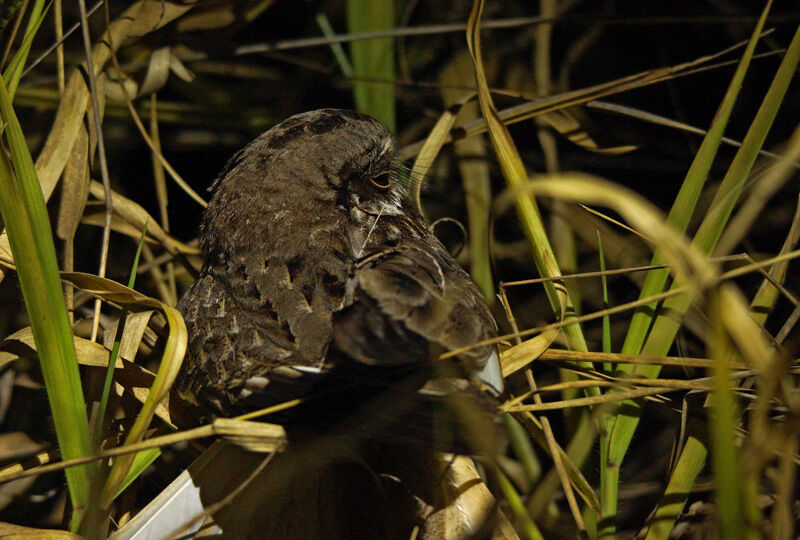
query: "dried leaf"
209, 20
17, 445
137, 216
252, 436
567, 125
140, 18
132, 334
154, 14
21, 344
520, 356
469, 505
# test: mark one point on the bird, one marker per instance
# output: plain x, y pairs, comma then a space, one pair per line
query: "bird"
322, 283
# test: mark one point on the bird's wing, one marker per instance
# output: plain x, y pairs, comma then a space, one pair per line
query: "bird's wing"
260, 331
411, 305
238, 347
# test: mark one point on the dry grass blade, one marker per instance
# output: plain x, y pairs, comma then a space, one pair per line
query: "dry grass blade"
686, 261
615, 271
161, 62
125, 221
96, 118
8, 530
167, 287
783, 521
75, 192
583, 318
556, 454
619, 249
667, 122
598, 380
433, 144
392, 32
673, 292
568, 458
137, 216
764, 300
132, 378
172, 357
252, 434
565, 123
515, 175
21, 344
532, 109
132, 334
612, 397
559, 355
618, 224
140, 18
473, 165
519, 356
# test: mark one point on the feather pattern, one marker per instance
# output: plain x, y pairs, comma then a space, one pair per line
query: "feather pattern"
312, 264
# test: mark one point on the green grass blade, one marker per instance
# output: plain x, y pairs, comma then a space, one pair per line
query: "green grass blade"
727, 476
97, 428
608, 491
604, 285
666, 327
141, 461
336, 48
525, 524
523, 449
620, 429
686, 200
690, 463
31, 238
711, 228
373, 59
13, 72
516, 177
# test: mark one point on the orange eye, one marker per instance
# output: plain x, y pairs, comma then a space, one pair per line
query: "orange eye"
382, 181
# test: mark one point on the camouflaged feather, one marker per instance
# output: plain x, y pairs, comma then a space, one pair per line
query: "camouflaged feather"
309, 263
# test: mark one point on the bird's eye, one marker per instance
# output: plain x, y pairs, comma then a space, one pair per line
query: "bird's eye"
382, 181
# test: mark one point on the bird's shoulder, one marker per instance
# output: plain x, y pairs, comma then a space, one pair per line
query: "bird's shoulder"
416, 297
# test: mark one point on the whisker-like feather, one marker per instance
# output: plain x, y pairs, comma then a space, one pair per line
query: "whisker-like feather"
371, 229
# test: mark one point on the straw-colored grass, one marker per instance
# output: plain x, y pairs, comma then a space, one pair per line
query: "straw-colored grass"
582, 374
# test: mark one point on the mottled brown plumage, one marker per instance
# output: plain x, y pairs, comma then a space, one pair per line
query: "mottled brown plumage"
317, 259
322, 281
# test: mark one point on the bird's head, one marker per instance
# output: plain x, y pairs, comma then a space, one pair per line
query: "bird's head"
319, 161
